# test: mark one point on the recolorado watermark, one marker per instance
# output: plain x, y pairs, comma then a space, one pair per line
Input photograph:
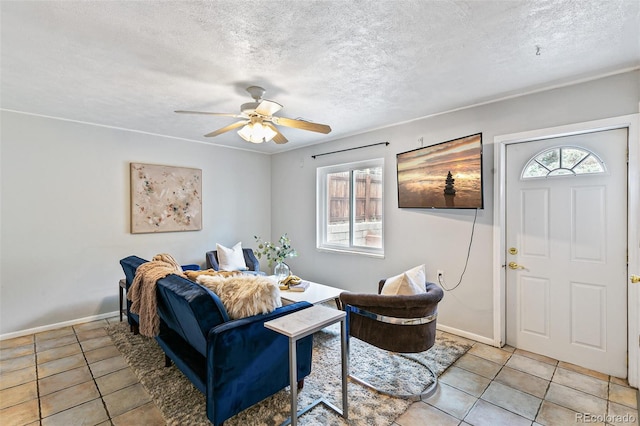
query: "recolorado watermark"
605, 418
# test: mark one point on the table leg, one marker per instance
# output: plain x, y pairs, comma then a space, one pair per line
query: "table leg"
344, 346
293, 381
339, 304
121, 298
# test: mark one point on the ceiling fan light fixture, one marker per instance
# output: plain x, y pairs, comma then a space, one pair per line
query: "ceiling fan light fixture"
253, 117
256, 133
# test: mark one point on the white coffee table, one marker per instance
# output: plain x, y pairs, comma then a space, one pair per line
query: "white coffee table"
315, 294
300, 324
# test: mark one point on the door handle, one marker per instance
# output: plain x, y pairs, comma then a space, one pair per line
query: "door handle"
635, 279
514, 265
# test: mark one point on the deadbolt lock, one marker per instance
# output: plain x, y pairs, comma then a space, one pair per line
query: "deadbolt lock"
513, 250
635, 279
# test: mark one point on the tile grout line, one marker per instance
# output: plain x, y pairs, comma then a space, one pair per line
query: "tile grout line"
41, 418
556, 367
92, 379
493, 381
609, 396
35, 353
104, 404
479, 397
546, 391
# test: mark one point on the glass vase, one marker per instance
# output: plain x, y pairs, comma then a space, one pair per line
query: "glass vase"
281, 271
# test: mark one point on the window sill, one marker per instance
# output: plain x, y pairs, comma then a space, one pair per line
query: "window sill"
350, 251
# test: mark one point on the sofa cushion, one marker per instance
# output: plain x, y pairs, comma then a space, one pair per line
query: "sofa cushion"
244, 295
407, 283
231, 259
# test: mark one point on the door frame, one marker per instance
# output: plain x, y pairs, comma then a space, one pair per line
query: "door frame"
500, 142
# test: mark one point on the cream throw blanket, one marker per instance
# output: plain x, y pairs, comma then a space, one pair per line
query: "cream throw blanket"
142, 292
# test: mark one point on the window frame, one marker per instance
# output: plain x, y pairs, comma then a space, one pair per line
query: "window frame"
322, 210
551, 172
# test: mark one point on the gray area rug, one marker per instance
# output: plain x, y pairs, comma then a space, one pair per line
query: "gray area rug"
182, 404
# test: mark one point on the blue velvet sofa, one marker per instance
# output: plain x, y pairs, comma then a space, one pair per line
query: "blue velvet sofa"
235, 363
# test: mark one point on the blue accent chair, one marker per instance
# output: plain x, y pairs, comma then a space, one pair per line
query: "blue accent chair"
249, 258
234, 363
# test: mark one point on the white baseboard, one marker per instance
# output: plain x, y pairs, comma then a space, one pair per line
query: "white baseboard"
456, 331
467, 335
57, 325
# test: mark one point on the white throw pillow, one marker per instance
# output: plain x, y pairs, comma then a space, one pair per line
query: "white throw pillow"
231, 259
407, 283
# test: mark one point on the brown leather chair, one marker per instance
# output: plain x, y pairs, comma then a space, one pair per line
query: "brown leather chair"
402, 324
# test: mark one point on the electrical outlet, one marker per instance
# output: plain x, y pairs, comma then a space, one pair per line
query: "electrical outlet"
440, 274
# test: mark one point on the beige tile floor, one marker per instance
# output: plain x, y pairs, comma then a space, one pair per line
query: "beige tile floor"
507, 386
71, 375
75, 375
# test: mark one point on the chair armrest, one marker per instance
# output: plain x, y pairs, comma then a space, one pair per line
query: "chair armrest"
397, 306
129, 266
190, 267
224, 331
251, 260
247, 362
244, 340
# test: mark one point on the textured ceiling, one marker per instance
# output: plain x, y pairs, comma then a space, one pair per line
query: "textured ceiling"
354, 65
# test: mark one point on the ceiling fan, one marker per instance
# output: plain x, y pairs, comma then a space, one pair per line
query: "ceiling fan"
257, 120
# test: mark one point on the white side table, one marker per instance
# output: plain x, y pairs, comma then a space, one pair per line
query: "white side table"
315, 294
301, 324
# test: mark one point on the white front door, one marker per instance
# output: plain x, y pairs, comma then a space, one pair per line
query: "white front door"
566, 242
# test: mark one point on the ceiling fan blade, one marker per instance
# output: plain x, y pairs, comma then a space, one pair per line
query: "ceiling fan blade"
222, 114
279, 137
227, 128
301, 124
268, 108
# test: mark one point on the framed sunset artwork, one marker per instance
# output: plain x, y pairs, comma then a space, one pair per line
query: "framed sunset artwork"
447, 175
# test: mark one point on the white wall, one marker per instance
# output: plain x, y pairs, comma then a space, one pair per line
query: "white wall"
438, 238
65, 213
64, 206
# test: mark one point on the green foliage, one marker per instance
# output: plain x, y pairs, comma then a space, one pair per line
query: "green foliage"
275, 253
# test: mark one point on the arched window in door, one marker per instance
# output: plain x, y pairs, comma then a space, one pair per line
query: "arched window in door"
563, 161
